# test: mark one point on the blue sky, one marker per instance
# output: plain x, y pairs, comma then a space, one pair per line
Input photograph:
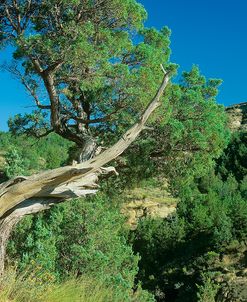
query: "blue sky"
209, 33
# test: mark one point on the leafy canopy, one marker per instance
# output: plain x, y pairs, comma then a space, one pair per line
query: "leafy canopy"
87, 64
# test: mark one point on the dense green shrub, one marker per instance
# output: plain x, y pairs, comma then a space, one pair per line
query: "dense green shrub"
14, 164
84, 237
234, 159
32, 155
208, 291
211, 215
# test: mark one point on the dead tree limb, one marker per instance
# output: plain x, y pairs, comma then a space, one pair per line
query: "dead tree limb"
26, 195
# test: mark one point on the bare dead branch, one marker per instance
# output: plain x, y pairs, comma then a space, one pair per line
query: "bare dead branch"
80, 179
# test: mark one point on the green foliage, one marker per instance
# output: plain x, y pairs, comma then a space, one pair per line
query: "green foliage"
196, 132
102, 60
32, 123
14, 164
234, 159
32, 155
105, 63
211, 216
207, 292
87, 237
186, 135
80, 238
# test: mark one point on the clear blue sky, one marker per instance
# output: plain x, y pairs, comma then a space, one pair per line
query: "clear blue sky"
209, 33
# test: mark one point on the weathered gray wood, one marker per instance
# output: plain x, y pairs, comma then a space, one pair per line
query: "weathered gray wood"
26, 195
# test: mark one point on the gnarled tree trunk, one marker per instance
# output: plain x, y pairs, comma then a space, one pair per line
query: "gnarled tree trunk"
22, 196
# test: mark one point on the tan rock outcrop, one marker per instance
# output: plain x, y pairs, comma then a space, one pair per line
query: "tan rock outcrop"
237, 116
148, 202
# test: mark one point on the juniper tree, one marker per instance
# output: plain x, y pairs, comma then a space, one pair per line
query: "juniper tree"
86, 64
90, 67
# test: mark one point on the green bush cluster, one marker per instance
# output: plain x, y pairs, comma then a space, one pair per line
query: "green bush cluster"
182, 255
26, 155
84, 237
174, 259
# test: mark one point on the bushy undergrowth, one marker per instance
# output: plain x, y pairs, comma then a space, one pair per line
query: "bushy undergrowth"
182, 256
26, 155
176, 259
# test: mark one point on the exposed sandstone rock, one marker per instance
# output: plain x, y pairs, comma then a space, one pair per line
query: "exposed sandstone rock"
237, 116
148, 202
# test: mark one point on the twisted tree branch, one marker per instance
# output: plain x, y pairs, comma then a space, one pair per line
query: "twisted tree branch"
80, 178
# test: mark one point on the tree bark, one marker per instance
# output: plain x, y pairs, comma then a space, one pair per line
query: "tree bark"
87, 151
27, 195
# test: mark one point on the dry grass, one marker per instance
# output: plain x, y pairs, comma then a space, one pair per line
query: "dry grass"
23, 288
155, 195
